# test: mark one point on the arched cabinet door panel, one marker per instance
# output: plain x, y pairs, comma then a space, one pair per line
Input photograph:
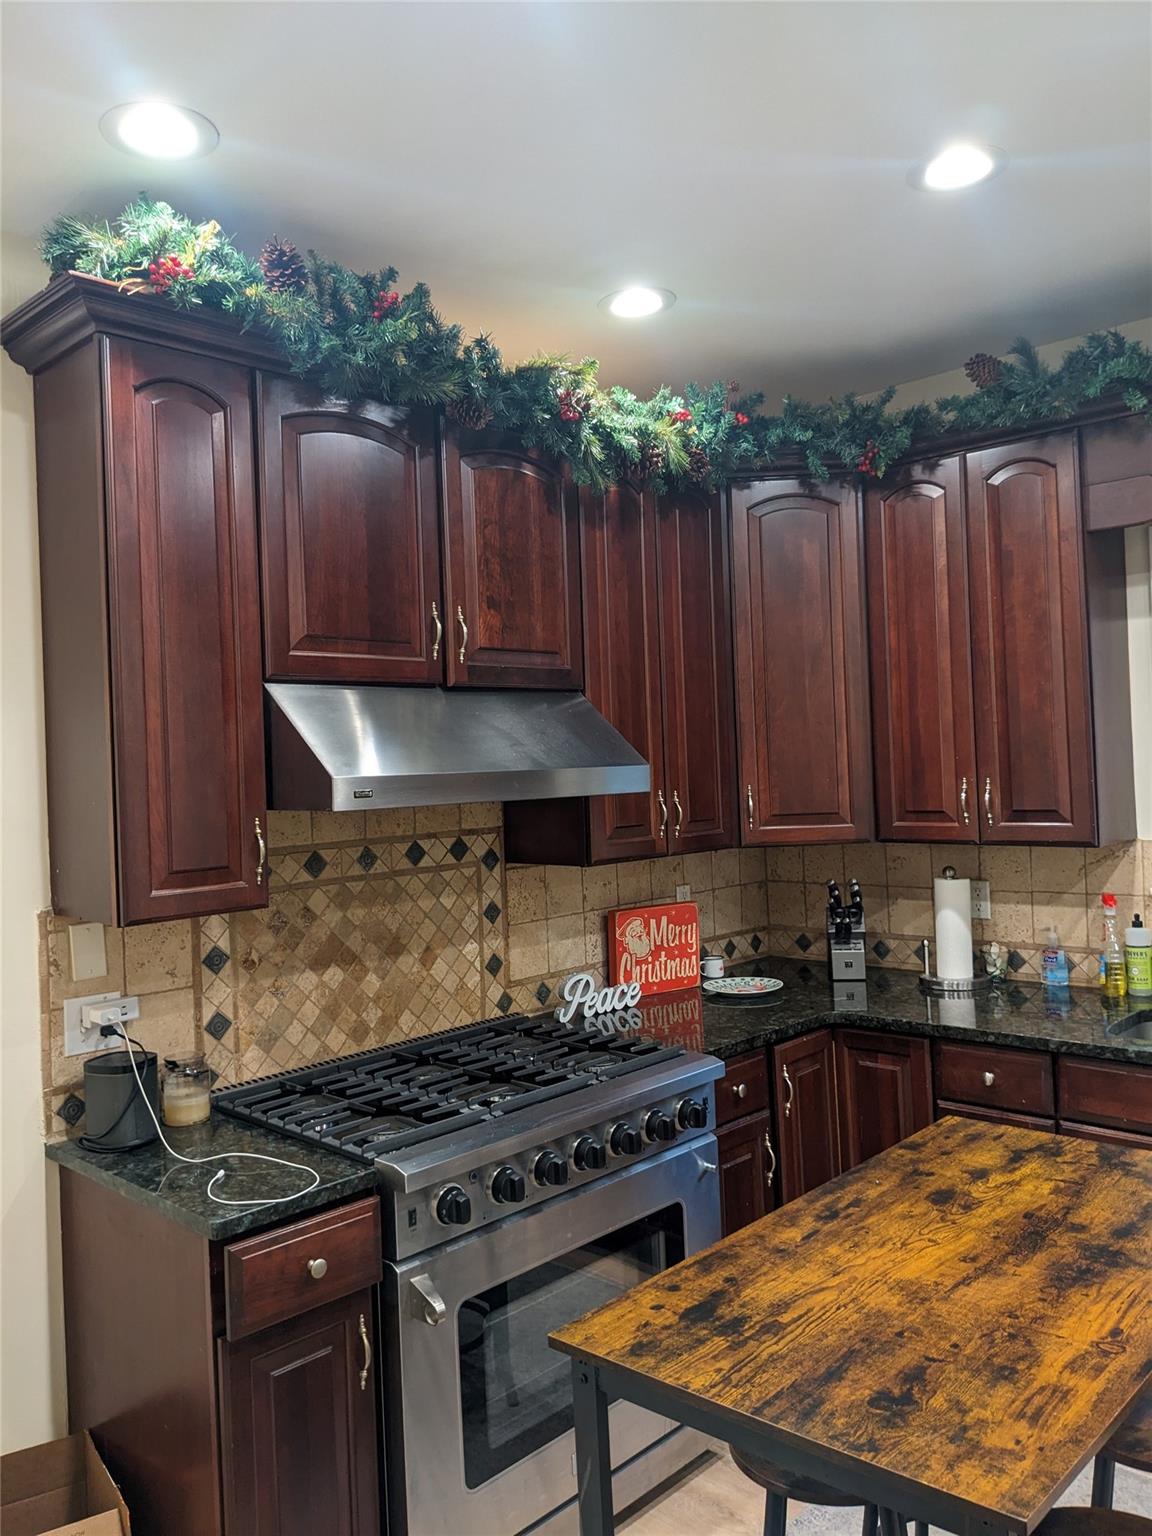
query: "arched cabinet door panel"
1030, 644
922, 709
801, 676
185, 627
512, 566
350, 527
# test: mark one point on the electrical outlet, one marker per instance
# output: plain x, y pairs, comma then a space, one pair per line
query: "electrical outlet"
81, 1038
981, 898
683, 893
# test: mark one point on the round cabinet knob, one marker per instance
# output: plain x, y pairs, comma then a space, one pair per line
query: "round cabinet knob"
989, 1079
550, 1168
660, 1127
588, 1156
507, 1186
317, 1268
625, 1140
453, 1208
740, 1090
692, 1115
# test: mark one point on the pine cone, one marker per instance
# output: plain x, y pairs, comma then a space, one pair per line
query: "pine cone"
284, 269
983, 370
649, 463
699, 464
469, 412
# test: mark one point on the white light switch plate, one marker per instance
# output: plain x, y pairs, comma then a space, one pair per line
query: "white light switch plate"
87, 950
78, 1039
683, 893
981, 898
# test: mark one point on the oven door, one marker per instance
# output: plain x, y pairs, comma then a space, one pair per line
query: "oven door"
478, 1408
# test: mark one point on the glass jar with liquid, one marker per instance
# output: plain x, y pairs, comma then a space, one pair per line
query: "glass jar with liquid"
184, 1090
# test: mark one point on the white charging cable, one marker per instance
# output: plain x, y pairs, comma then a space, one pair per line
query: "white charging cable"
216, 1157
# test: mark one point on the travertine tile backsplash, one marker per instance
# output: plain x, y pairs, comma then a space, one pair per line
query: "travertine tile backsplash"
387, 924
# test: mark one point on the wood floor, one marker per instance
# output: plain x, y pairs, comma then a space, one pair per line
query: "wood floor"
717, 1500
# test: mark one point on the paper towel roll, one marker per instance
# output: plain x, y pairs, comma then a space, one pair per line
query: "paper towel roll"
953, 929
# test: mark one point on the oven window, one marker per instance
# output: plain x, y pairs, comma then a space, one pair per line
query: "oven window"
517, 1393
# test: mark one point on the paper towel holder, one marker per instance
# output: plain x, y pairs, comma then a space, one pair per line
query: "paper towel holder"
940, 986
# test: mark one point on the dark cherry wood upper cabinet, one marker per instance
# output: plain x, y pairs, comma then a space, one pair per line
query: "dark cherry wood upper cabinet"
801, 674
512, 565
804, 1077
351, 540
298, 1425
1030, 644
884, 1085
695, 640
187, 692
623, 662
922, 716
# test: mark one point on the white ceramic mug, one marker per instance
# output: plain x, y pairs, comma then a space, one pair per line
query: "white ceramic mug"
711, 966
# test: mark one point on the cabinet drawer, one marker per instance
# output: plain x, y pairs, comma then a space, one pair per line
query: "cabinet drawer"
995, 1077
743, 1090
995, 1116
294, 1268
1106, 1093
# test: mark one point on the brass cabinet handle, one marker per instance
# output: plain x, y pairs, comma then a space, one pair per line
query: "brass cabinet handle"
989, 1079
679, 814
439, 635
791, 1090
367, 1343
263, 853
663, 804
964, 800
751, 812
771, 1153
463, 631
988, 802
317, 1268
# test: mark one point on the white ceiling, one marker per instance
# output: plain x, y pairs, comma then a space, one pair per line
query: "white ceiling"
526, 158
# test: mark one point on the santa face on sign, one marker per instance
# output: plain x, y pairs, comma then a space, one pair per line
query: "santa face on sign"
637, 939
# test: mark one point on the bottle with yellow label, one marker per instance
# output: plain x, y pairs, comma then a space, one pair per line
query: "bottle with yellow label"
1138, 957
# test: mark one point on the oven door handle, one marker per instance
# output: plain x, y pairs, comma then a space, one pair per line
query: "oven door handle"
704, 1167
428, 1302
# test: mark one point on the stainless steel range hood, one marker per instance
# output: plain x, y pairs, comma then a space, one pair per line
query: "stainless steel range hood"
345, 748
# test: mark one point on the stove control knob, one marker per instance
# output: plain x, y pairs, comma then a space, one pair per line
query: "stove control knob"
550, 1168
692, 1114
625, 1139
507, 1186
588, 1156
453, 1208
659, 1126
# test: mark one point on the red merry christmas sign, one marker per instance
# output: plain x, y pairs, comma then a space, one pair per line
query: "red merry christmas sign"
657, 946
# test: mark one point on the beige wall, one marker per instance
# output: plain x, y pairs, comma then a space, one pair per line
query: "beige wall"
31, 1370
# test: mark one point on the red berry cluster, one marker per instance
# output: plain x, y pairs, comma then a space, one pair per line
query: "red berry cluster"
866, 463
741, 419
162, 274
682, 415
571, 408
386, 300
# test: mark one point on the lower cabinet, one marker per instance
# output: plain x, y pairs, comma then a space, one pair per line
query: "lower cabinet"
884, 1088
804, 1077
298, 1425
747, 1160
994, 1116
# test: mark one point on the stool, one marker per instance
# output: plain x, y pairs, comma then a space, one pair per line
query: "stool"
1130, 1446
1093, 1522
780, 1485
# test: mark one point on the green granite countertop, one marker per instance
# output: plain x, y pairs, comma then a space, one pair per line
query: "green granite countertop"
1074, 1021
180, 1192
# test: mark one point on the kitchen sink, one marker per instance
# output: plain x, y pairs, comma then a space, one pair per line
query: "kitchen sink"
1136, 1027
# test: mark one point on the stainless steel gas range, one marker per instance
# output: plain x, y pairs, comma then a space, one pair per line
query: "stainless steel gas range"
529, 1171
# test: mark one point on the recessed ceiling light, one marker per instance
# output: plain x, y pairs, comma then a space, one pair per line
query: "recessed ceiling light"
635, 303
159, 130
959, 165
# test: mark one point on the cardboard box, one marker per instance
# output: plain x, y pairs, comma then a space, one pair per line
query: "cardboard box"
60, 1489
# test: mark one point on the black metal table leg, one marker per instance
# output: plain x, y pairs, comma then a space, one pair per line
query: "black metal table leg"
593, 1454
1103, 1482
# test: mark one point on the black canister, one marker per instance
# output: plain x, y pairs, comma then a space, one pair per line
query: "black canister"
118, 1118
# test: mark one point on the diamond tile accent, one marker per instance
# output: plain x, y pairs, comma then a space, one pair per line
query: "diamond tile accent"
458, 849
729, 949
756, 944
218, 1025
504, 1002
543, 993
1017, 996
72, 1109
920, 952
415, 853
492, 911
315, 863
803, 943
494, 965
490, 859
216, 959
367, 860
1016, 960
881, 950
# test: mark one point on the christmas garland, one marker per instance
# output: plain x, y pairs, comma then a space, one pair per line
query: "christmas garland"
353, 335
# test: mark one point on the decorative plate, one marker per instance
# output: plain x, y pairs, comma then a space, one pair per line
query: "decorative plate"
743, 986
